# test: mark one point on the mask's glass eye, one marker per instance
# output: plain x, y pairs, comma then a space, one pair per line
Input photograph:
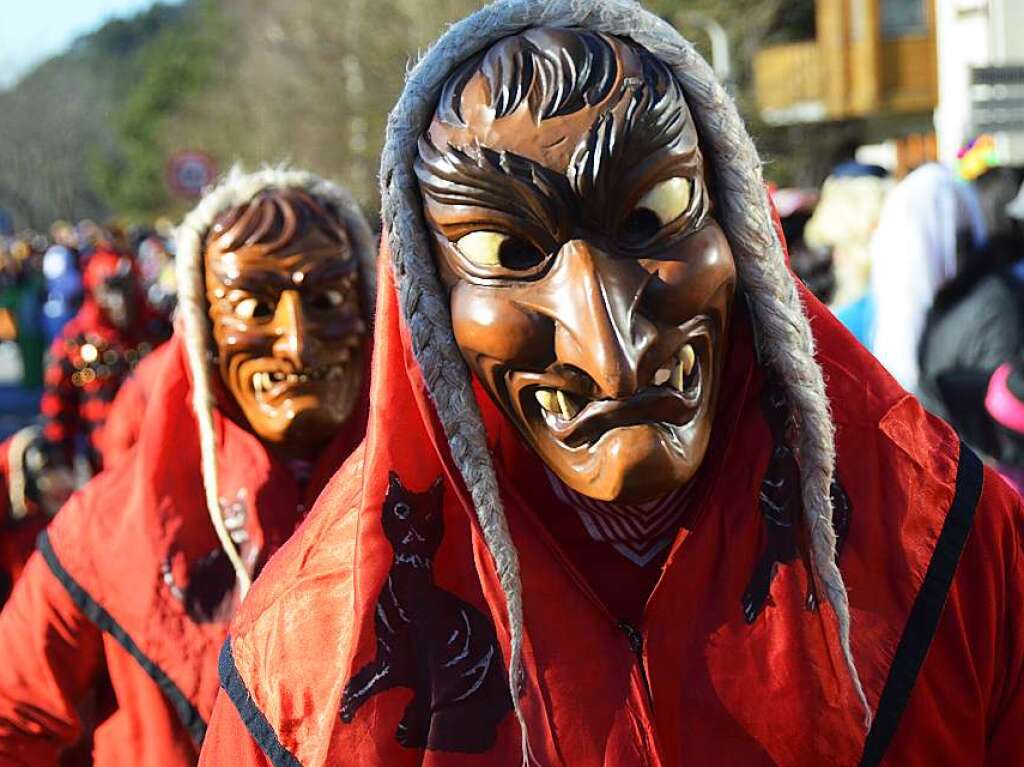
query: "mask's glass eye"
326, 300
663, 204
492, 249
252, 308
482, 248
668, 200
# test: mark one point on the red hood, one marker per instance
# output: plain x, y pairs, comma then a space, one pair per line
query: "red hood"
101, 263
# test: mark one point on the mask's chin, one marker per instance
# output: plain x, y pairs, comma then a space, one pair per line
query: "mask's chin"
631, 464
297, 413
296, 427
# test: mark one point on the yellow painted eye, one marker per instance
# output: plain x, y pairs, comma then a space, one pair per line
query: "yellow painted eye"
668, 200
482, 248
493, 249
250, 308
327, 300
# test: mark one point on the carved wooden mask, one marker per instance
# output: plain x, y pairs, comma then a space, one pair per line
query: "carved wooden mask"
590, 285
282, 284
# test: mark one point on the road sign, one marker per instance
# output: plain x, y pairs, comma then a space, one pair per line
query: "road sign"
189, 172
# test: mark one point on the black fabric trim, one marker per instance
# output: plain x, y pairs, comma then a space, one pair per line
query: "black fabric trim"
255, 722
927, 609
187, 713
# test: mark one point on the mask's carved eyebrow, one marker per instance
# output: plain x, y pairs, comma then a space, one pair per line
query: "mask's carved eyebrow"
276, 273
252, 280
646, 131
511, 185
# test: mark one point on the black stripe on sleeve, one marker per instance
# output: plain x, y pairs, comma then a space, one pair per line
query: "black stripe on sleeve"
255, 721
187, 713
927, 609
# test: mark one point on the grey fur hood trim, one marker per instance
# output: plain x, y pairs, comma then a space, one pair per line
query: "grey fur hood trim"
744, 212
236, 188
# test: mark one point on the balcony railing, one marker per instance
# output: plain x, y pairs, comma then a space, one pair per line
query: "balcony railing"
788, 80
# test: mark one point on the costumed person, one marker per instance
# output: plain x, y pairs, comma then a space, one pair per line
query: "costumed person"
95, 351
607, 511
930, 229
21, 333
1004, 404
976, 322
30, 494
63, 280
258, 401
157, 266
843, 222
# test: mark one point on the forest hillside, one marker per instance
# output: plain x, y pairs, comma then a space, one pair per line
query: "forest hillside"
89, 133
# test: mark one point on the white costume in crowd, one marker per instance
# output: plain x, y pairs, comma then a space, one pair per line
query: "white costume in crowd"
913, 255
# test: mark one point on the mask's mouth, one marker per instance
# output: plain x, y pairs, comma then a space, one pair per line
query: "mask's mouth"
272, 386
672, 397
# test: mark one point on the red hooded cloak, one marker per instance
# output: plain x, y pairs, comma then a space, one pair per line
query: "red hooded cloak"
359, 647
126, 603
130, 593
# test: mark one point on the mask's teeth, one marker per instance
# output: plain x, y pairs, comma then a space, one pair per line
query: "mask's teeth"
566, 405
547, 400
661, 375
688, 358
257, 383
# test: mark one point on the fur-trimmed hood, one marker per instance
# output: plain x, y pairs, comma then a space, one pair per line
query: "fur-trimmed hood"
236, 188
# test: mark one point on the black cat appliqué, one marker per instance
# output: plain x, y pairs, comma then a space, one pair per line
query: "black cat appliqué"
429, 640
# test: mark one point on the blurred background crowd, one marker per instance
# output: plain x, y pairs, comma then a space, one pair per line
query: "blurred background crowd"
892, 130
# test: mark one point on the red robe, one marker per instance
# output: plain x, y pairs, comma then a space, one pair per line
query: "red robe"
377, 628
129, 595
123, 423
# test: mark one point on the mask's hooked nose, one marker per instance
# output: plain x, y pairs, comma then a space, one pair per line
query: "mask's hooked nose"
293, 341
594, 301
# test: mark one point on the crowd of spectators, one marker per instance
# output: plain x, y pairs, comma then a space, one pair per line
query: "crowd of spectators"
928, 273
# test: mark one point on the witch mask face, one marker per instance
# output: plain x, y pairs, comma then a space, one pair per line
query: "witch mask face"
283, 290
590, 286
